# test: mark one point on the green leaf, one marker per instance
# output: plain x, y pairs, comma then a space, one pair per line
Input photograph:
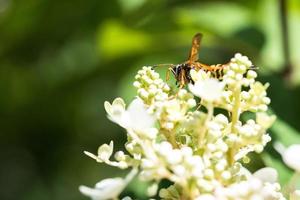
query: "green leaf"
294, 32
284, 172
286, 134
131, 5
207, 15
117, 40
271, 55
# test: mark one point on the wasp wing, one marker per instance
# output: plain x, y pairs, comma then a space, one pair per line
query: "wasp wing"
193, 57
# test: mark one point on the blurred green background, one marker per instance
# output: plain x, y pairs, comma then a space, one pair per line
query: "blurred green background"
60, 60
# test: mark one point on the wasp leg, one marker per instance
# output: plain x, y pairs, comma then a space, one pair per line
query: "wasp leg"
168, 74
181, 85
199, 105
182, 80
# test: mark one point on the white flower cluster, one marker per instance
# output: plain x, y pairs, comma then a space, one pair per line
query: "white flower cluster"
238, 67
174, 164
173, 111
238, 74
150, 88
247, 190
195, 143
155, 93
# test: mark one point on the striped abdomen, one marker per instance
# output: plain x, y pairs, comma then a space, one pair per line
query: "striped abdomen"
217, 71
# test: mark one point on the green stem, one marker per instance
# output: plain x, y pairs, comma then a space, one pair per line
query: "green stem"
172, 139
210, 113
287, 70
291, 186
236, 109
234, 120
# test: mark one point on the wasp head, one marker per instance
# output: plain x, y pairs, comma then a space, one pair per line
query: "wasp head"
176, 70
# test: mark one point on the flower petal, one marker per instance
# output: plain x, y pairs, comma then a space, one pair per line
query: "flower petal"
107, 107
208, 89
112, 183
105, 189
119, 101
295, 195
92, 156
206, 197
105, 151
140, 119
108, 188
93, 193
116, 111
265, 120
291, 157
267, 174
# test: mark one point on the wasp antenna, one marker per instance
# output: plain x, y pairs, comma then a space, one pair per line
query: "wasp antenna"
162, 65
253, 67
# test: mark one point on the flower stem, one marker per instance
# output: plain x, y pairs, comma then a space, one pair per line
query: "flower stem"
170, 137
210, 113
291, 186
234, 120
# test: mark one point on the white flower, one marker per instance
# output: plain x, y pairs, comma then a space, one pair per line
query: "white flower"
267, 174
127, 198
136, 117
243, 152
206, 197
104, 152
295, 195
208, 89
291, 157
250, 189
265, 120
196, 149
105, 189
115, 111
152, 189
108, 188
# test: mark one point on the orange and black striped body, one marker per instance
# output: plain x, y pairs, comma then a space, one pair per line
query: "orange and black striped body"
182, 74
216, 71
181, 71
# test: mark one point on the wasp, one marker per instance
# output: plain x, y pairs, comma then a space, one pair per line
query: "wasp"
181, 71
